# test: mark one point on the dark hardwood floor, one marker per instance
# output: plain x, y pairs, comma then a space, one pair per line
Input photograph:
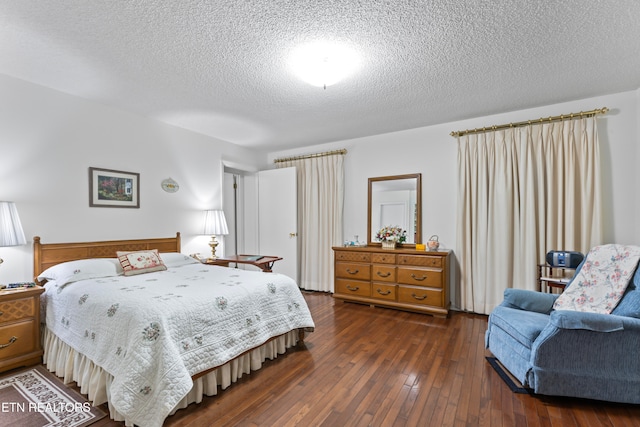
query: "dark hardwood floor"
368, 366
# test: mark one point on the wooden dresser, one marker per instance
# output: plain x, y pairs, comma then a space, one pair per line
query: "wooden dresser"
405, 279
20, 328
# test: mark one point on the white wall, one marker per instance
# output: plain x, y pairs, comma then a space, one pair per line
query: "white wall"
48, 140
433, 152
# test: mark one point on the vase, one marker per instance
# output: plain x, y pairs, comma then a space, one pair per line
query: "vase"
388, 245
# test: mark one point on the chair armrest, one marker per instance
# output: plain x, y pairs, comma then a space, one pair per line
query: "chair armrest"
566, 319
569, 343
522, 299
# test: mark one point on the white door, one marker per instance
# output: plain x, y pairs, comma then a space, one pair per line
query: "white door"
278, 218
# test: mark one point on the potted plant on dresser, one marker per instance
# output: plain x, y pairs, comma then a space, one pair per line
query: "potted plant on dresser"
390, 236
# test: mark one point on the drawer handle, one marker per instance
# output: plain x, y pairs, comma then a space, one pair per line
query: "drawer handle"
419, 298
352, 272
383, 275
353, 289
1, 313
419, 279
11, 341
381, 292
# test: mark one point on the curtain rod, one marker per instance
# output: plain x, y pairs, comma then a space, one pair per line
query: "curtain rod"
311, 156
581, 114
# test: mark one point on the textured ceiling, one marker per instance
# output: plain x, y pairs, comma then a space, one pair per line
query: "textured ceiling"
220, 67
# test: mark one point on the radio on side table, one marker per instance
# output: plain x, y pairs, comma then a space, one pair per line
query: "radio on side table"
20, 327
559, 269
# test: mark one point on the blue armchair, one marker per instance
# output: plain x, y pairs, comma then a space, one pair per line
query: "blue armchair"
569, 353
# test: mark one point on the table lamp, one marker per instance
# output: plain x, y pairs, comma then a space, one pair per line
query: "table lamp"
11, 233
215, 224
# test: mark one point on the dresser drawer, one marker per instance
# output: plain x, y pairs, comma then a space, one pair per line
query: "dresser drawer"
383, 258
353, 270
383, 273
17, 309
422, 296
420, 277
24, 342
353, 287
420, 260
353, 256
383, 291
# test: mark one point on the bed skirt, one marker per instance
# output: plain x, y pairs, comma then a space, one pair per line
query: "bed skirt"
95, 382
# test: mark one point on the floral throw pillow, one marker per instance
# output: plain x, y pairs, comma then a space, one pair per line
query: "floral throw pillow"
602, 281
139, 262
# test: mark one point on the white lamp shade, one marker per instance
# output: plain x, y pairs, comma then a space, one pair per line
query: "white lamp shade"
215, 223
11, 233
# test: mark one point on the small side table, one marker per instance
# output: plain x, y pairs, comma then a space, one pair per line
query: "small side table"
20, 327
216, 261
554, 277
263, 262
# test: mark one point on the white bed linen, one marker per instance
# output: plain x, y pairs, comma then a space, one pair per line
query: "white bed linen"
95, 382
152, 332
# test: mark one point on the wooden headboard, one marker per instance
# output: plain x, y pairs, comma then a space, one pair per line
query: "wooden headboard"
47, 255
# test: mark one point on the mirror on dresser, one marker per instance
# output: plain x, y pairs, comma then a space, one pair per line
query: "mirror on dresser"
395, 201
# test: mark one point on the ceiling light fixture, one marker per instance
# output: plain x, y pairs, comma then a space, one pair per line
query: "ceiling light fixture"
323, 64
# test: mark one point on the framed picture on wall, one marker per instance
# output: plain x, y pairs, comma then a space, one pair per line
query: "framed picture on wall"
113, 189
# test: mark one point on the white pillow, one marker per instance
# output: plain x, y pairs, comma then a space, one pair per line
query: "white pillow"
176, 259
82, 269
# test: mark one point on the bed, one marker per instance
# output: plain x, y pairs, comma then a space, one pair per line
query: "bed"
149, 330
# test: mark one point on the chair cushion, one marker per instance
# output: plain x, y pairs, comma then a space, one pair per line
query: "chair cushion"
523, 326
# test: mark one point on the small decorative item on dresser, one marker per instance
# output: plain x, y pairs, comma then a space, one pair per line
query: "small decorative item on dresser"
433, 243
388, 244
390, 236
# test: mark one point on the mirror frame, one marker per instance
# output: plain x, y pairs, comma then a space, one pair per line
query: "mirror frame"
418, 178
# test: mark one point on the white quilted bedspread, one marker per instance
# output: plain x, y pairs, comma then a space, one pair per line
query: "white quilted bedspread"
153, 331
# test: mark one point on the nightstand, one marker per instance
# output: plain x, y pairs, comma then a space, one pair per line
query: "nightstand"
554, 277
20, 328
216, 261
263, 262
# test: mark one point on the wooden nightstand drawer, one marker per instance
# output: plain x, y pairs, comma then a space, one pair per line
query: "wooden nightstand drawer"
17, 339
17, 309
20, 328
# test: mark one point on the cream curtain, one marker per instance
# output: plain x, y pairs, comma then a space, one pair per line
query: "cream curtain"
522, 192
320, 206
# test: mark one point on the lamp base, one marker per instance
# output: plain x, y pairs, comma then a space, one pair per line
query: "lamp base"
214, 244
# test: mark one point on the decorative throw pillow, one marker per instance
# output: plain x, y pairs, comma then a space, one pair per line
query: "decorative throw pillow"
138, 262
602, 280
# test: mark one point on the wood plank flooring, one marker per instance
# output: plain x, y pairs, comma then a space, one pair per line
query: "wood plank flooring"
368, 366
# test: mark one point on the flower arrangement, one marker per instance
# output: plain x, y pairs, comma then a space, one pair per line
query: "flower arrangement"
391, 234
